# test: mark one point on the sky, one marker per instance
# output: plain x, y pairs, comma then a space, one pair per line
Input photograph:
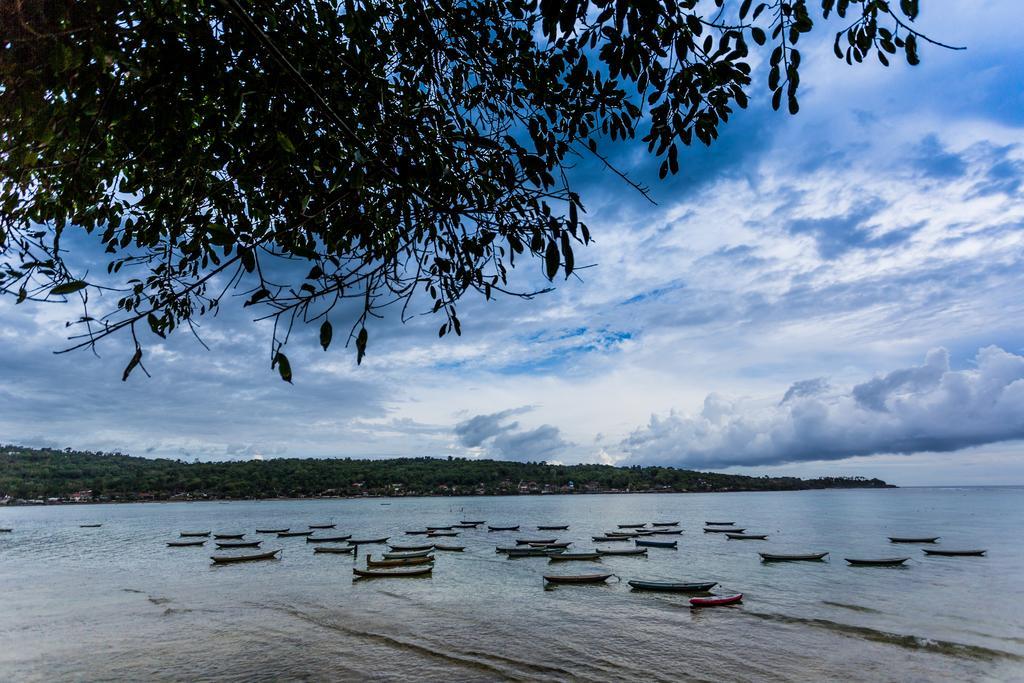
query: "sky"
835, 293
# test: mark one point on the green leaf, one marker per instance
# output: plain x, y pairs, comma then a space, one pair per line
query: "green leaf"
68, 288
326, 333
284, 368
285, 142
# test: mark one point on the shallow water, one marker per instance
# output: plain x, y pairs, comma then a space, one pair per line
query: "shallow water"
116, 603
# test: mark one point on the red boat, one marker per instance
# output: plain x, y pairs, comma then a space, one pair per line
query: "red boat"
716, 600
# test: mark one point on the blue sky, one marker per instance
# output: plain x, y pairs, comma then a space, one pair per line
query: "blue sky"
833, 293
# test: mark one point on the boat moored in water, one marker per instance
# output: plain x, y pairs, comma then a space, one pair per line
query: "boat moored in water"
746, 537
880, 562
184, 544
239, 544
674, 586
381, 574
272, 531
328, 539
367, 541
294, 534
333, 549
577, 578
914, 539
776, 557
717, 600
656, 544
228, 537
954, 553
622, 551
194, 534
568, 557
503, 528
231, 559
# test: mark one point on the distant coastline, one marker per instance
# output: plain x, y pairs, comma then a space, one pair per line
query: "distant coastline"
30, 476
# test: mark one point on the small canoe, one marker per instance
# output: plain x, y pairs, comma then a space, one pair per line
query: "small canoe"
503, 528
194, 534
914, 539
378, 574
469, 521
229, 559
6, 531
532, 552
881, 562
631, 526
184, 544
294, 534
719, 523
664, 532
577, 578
622, 551
609, 539
442, 534
227, 537
439, 528
646, 532
674, 586
408, 555
322, 526
505, 549
568, 557
747, 537
410, 548
367, 541
535, 541
417, 533
775, 557
89, 526
664, 523
723, 530
450, 548
463, 526
328, 539
622, 534
560, 544
717, 600
412, 561
656, 544
272, 531
955, 553
347, 550
239, 544
553, 527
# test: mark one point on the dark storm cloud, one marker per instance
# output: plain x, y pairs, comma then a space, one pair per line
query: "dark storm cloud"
505, 440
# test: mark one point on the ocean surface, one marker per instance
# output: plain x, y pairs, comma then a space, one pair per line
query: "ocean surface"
115, 603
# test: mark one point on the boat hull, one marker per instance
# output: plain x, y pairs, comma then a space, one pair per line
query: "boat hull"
234, 559
717, 600
673, 587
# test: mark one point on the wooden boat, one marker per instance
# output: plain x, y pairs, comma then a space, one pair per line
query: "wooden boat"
747, 537
89, 526
450, 548
646, 532
442, 534
532, 552
439, 528
463, 526
293, 534
328, 539
568, 557
239, 544
469, 521
553, 527
622, 551
775, 557
194, 534
377, 574
6, 531
674, 586
409, 555
577, 578
229, 559
622, 534
367, 541
503, 528
410, 548
347, 550
227, 537
322, 526
272, 531
412, 561
417, 533
664, 532
656, 544
955, 553
184, 544
609, 539
631, 526
560, 544
717, 600
535, 541
723, 530
719, 523
913, 539
664, 523
881, 562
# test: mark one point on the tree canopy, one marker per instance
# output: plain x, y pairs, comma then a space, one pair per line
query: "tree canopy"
327, 160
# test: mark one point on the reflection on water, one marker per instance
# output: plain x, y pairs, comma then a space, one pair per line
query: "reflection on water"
115, 602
